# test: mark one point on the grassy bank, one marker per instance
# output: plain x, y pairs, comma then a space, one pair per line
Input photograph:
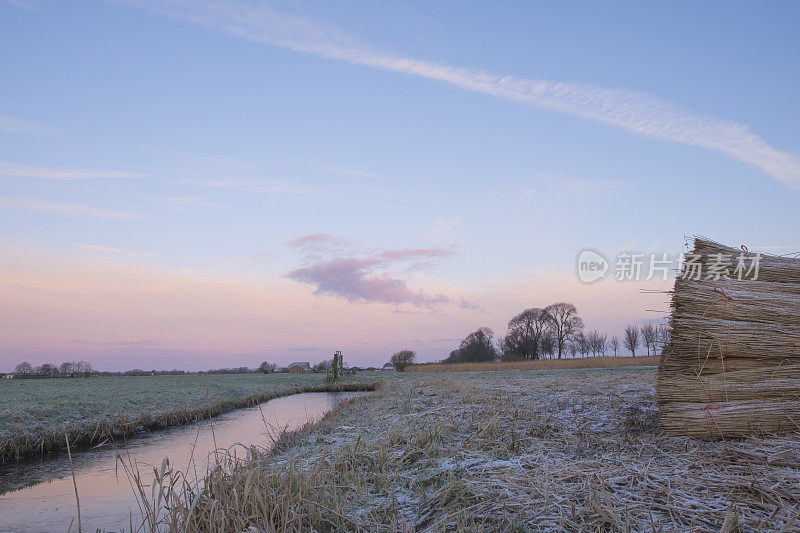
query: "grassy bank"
543, 364
35, 414
569, 450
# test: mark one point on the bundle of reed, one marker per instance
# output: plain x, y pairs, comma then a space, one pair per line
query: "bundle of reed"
766, 383
739, 301
740, 418
772, 268
705, 343
732, 367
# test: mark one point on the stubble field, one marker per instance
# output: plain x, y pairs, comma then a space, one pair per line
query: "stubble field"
556, 450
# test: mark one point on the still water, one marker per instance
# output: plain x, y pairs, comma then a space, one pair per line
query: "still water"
38, 496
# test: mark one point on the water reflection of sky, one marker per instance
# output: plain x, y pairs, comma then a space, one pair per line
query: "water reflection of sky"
38, 496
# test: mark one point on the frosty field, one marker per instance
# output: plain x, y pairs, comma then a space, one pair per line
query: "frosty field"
35, 414
563, 450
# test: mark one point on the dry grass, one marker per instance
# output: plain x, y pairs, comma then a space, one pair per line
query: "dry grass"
501, 451
543, 364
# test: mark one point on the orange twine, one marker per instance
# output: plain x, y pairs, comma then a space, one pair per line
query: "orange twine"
728, 297
710, 416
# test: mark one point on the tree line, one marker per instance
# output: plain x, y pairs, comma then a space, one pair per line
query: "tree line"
67, 369
75, 369
553, 331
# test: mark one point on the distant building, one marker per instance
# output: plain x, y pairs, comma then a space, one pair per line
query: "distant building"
10, 375
388, 367
303, 367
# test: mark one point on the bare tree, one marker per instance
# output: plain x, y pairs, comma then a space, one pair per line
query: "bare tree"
591, 343
47, 370
663, 335
267, 368
400, 360
323, 366
601, 340
82, 368
649, 337
614, 344
65, 369
573, 348
597, 342
564, 323
583, 343
24, 368
512, 346
631, 338
478, 346
525, 333
548, 344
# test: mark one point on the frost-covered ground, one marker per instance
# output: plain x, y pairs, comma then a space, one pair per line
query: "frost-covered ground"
574, 450
36, 413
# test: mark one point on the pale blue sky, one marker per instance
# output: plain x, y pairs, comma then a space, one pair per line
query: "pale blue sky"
207, 135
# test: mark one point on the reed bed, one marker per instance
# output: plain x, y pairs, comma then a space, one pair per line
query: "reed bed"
577, 451
543, 364
36, 414
733, 365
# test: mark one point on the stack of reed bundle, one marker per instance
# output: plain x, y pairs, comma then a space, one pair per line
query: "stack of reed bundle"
732, 367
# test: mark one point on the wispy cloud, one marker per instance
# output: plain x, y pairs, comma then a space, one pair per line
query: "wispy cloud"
28, 204
364, 277
29, 171
22, 4
630, 110
356, 173
143, 342
259, 186
27, 127
425, 342
320, 242
194, 202
107, 249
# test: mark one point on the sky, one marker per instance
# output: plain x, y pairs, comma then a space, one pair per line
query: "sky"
203, 184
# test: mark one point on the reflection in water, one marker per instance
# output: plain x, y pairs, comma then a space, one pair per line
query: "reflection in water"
38, 496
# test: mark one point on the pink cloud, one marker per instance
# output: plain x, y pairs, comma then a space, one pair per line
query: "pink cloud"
318, 242
314, 238
419, 253
120, 314
351, 279
365, 276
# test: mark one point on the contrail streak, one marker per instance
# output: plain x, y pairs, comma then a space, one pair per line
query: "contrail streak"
630, 110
